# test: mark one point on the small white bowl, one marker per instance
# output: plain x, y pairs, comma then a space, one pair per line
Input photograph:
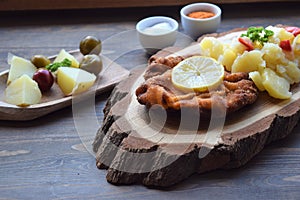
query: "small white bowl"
156, 40
196, 27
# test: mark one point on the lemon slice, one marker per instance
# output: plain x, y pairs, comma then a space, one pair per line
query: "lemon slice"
198, 73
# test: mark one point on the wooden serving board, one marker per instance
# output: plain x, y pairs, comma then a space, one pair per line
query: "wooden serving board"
139, 146
55, 99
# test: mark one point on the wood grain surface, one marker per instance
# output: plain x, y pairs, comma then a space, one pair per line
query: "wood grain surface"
45, 158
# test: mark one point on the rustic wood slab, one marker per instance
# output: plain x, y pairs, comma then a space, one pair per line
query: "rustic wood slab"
137, 145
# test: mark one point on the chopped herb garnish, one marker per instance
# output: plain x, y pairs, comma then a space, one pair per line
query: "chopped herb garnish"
54, 66
258, 34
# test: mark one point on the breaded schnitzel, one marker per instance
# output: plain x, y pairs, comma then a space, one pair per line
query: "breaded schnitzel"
236, 91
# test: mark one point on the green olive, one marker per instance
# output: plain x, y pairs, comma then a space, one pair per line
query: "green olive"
40, 61
91, 63
90, 45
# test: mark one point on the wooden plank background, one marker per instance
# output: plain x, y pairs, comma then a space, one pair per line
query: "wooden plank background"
13, 5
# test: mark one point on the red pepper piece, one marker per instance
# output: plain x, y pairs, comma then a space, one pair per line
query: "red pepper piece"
294, 30
247, 42
285, 45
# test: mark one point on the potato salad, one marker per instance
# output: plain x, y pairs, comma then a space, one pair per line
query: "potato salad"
270, 55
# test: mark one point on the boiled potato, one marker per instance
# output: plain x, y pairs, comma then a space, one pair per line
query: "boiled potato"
279, 35
257, 79
228, 58
281, 71
63, 54
293, 71
18, 67
275, 85
74, 80
211, 47
273, 55
296, 48
238, 47
23, 91
248, 62
296, 45
282, 34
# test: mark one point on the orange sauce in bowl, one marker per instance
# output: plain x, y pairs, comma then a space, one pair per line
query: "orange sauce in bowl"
201, 14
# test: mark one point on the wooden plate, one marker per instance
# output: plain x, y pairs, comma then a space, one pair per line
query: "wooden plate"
55, 99
137, 147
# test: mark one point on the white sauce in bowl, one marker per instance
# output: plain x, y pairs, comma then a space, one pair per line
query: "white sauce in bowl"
158, 29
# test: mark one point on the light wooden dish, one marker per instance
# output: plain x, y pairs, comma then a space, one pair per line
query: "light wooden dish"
55, 99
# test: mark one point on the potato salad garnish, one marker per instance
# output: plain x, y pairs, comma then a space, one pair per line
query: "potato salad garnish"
270, 55
258, 35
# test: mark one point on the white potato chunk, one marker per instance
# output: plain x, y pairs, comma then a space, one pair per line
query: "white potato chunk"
23, 91
279, 35
293, 71
248, 62
273, 55
18, 67
63, 55
275, 85
227, 58
257, 79
211, 47
296, 49
281, 71
238, 47
74, 80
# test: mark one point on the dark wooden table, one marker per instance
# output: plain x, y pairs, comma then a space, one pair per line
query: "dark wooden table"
46, 158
